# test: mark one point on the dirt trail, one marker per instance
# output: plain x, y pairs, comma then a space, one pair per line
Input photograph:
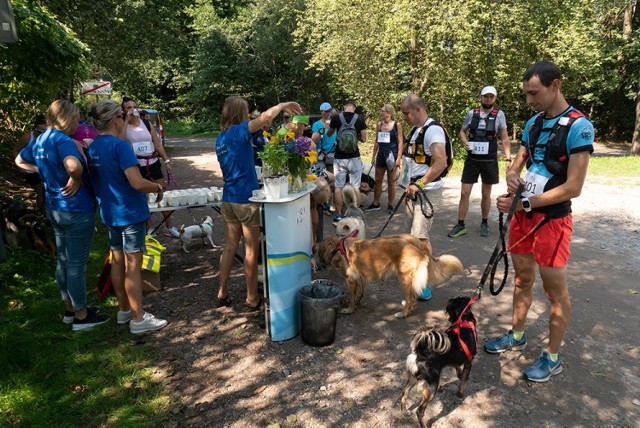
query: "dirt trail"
225, 371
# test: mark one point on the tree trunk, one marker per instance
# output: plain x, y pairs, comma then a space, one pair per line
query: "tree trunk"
635, 142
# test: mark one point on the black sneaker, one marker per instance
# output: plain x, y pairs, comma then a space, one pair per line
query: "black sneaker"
390, 209
91, 320
373, 207
68, 316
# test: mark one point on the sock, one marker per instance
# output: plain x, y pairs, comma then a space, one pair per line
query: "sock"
553, 357
461, 223
484, 221
517, 335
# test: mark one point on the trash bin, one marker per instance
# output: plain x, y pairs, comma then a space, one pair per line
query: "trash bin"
319, 303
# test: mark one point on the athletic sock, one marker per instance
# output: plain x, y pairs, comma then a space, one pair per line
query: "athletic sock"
484, 221
553, 357
517, 335
461, 223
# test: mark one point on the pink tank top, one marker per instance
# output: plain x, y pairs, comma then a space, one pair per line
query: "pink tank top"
140, 139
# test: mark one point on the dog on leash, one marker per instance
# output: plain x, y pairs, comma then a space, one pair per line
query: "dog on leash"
361, 261
204, 230
433, 350
353, 216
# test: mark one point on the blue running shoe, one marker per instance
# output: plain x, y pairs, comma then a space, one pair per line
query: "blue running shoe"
543, 368
506, 342
426, 294
337, 218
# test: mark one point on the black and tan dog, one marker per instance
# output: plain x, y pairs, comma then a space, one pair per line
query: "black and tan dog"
361, 261
433, 350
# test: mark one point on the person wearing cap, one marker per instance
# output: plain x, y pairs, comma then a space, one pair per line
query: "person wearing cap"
325, 144
482, 128
347, 162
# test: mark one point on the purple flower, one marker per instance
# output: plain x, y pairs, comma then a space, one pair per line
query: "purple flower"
302, 145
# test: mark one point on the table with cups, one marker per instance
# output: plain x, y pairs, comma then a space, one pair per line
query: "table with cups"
185, 199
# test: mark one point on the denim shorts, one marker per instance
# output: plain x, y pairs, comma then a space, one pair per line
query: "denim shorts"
129, 238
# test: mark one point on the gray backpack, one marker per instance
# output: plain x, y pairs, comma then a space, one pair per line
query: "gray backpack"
347, 137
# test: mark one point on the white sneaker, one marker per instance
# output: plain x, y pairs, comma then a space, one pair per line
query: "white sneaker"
148, 323
172, 232
124, 317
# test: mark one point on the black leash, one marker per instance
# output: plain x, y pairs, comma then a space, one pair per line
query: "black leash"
395, 209
500, 251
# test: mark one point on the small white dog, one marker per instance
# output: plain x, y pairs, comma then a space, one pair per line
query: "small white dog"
353, 216
187, 234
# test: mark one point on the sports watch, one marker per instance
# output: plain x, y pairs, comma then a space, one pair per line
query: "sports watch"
526, 205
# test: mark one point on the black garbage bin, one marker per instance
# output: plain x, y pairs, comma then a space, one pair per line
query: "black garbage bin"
319, 303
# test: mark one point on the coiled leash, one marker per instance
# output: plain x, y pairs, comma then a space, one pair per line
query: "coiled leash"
500, 251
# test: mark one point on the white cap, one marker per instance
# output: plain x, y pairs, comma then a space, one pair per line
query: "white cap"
489, 90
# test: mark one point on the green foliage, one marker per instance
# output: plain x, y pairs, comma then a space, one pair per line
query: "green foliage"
98, 377
40, 67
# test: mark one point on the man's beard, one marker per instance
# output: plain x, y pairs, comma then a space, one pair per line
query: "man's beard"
486, 106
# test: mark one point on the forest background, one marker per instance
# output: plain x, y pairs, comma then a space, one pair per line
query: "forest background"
185, 57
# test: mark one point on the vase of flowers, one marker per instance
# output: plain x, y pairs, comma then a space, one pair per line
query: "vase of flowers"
286, 155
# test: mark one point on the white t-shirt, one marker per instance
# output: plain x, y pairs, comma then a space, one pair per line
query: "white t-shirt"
433, 135
140, 139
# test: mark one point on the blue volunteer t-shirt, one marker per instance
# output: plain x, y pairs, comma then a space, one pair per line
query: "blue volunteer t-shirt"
326, 144
235, 155
48, 152
120, 204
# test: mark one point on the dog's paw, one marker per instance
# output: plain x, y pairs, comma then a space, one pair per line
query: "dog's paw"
347, 311
400, 315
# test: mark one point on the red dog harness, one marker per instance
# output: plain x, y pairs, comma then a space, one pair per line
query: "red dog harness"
460, 324
340, 245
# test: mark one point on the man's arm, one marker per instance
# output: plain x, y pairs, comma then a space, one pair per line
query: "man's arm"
506, 146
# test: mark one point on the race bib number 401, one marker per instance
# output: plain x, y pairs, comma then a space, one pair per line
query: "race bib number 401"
534, 184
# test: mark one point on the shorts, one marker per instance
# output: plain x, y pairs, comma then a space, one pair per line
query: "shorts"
416, 222
32, 178
488, 170
386, 159
353, 166
129, 238
245, 214
550, 244
152, 171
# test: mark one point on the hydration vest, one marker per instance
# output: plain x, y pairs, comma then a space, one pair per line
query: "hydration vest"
419, 156
489, 133
555, 159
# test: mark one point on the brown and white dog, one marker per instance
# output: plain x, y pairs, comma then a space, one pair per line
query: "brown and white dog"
353, 216
204, 230
320, 195
361, 261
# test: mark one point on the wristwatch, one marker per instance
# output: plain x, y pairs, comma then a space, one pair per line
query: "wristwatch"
526, 205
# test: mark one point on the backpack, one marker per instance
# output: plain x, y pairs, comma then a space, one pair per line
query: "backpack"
419, 156
347, 137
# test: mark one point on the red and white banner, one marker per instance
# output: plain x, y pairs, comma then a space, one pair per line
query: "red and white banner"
95, 88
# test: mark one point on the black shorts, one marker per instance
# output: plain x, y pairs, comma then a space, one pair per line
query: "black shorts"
153, 172
488, 170
32, 178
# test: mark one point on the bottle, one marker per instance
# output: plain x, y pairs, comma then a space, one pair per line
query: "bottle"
136, 113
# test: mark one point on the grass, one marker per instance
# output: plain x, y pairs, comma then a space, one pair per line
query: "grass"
53, 377
188, 128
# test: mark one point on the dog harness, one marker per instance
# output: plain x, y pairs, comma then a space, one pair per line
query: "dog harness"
460, 324
340, 245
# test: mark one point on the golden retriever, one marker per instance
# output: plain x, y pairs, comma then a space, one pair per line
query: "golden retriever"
361, 261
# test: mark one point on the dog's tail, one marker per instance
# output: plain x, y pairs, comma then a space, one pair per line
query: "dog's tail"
441, 269
432, 341
350, 197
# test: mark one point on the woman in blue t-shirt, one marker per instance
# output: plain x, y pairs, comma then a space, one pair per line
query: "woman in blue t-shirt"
241, 217
120, 189
70, 208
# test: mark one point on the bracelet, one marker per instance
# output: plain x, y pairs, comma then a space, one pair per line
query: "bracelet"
419, 183
159, 187
508, 160
167, 161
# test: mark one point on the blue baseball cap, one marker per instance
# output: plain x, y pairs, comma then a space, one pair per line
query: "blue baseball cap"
325, 107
